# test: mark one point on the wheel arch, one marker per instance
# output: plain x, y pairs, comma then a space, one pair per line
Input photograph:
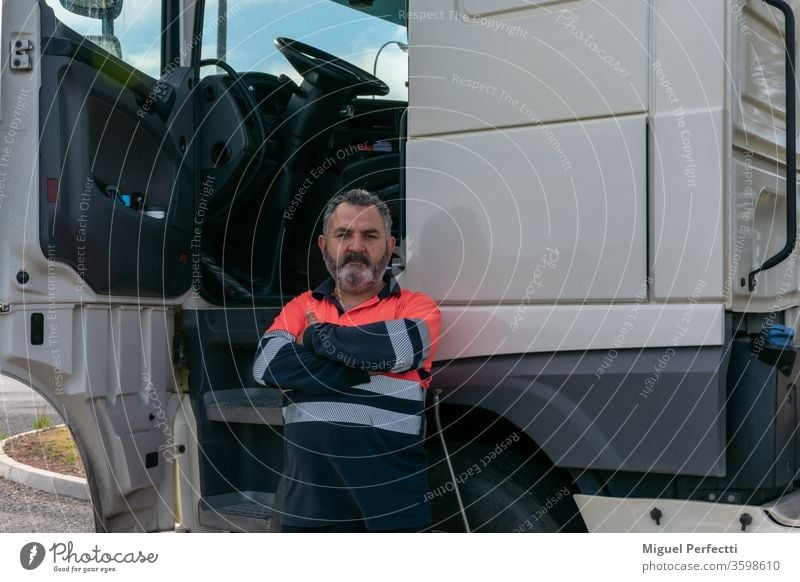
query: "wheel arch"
634, 410
61, 408
550, 420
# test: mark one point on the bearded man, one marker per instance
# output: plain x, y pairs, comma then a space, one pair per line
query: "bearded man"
353, 358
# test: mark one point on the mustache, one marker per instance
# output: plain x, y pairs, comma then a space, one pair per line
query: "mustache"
352, 257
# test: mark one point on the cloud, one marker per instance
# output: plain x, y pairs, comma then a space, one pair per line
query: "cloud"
148, 61
392, 69
392, 66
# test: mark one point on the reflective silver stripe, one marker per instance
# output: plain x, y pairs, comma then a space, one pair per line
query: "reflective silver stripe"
401, 344
387, 386
279, 338
425, 338
335, 412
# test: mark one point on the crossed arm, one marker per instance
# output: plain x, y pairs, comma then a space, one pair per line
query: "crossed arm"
325, 357
395, 345
288, 365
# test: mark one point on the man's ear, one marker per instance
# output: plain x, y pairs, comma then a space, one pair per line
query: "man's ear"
392, 243
321, 243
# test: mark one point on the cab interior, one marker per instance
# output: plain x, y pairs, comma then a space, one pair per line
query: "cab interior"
273, 153
208, 184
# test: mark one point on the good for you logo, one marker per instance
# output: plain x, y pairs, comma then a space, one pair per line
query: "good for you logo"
31, 555
67, 559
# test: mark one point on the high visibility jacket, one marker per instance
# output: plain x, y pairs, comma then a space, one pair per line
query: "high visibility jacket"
353, 440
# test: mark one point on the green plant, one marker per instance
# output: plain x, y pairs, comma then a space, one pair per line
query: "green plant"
3, 436
42, 421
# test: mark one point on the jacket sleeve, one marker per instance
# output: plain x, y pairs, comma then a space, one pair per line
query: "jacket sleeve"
395, 345
282, 363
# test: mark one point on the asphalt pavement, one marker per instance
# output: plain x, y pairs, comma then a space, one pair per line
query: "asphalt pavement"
26, 510
23, 509
19, 407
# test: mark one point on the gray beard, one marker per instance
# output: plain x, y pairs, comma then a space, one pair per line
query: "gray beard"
355, 278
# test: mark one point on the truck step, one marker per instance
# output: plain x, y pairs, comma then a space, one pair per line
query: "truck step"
242, 511
245, 406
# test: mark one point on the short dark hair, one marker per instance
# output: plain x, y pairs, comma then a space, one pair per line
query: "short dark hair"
358, 197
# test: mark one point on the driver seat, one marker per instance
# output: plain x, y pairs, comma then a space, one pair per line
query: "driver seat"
300, 262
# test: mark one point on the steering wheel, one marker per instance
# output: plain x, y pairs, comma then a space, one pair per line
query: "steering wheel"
257, 141
307, 60
246, 95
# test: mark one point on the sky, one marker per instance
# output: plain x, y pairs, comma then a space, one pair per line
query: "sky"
252, 28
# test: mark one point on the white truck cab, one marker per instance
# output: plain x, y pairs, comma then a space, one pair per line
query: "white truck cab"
601, 196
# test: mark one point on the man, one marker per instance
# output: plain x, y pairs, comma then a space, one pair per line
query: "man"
353, 358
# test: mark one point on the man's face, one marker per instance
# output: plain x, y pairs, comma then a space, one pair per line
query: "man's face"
356, 248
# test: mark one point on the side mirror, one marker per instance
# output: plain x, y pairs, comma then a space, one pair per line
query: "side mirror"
104, 10
100, 9
107, 42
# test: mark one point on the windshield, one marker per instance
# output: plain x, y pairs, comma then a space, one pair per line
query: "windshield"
250, 27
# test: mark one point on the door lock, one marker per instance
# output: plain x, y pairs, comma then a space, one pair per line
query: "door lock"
21, 55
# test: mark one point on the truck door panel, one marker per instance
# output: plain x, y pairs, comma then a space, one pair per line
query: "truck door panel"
507, 63
567, 220
688, 157
758, 186
101, 275
759, 197
101, 134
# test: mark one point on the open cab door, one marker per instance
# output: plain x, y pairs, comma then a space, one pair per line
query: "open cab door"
97, 209
156, 221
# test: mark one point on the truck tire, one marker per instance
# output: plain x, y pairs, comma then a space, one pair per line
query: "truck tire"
506, 492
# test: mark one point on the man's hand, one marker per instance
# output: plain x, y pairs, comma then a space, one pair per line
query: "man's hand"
311, 319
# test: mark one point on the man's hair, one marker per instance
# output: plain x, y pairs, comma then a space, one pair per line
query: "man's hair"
358, 197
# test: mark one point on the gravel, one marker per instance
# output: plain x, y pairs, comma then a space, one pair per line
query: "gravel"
26, 510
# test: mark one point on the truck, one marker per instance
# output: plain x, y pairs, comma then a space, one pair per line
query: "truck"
600, 196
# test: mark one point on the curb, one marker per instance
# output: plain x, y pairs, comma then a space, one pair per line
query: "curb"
40, 479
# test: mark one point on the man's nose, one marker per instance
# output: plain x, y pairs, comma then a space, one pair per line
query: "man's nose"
356, 243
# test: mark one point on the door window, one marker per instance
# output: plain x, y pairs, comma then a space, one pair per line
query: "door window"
137, 29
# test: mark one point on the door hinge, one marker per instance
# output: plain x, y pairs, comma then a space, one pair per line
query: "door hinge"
5, 307
180, 349
21, 59
180, 362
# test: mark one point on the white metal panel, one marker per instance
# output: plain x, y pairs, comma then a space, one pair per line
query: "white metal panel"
757, 232
53, 361
689, 155
115, 400
541, 214
19, 160
555, 62
759, 90
758, 189
475, 331
487, 7
618, 515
